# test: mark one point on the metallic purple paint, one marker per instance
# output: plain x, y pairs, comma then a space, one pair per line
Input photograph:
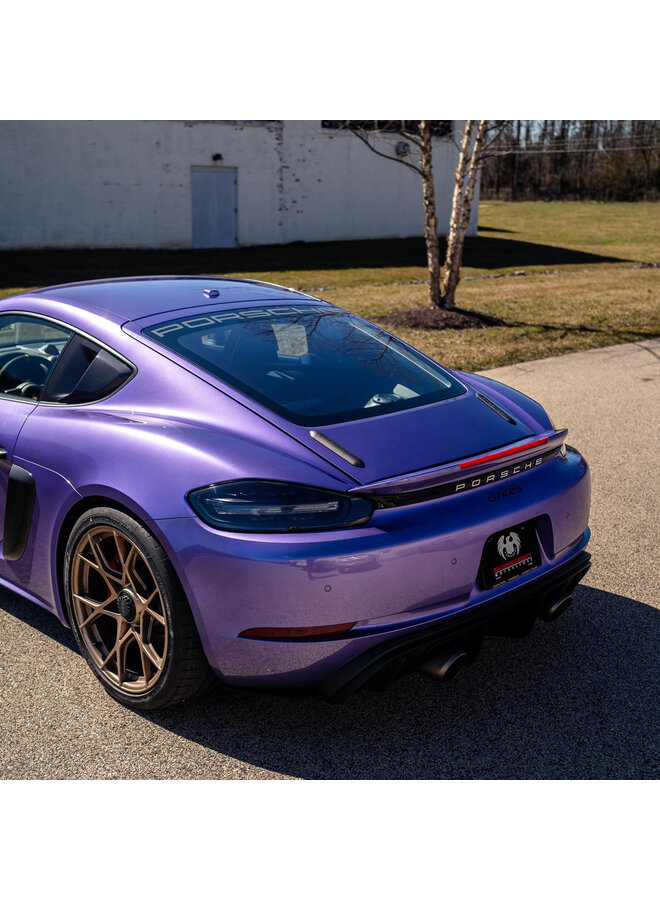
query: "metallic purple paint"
172, 428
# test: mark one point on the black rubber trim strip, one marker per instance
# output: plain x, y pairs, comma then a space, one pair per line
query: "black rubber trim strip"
360, 670
18, 512
496, 409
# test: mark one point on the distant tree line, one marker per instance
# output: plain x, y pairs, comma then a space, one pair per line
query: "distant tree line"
566, 159
438, 127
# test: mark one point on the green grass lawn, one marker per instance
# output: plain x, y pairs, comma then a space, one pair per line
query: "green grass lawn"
579, 290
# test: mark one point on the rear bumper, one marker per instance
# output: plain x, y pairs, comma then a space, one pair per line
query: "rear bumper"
408, 569
512, 615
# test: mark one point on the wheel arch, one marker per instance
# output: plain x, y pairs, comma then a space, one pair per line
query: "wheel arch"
79, 508
181, 673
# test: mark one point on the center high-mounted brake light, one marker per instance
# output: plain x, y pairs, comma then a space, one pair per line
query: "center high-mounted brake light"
510, 452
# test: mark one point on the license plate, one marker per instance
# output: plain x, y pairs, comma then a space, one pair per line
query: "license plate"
510, 553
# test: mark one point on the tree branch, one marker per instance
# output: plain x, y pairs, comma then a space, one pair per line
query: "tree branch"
496, 132
406, 135
385, 155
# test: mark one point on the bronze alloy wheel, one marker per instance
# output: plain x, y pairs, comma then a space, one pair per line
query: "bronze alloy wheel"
120, 613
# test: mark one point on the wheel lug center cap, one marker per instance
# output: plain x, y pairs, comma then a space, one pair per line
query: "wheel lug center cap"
126, 605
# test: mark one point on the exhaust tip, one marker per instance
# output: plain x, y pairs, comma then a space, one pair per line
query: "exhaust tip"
556, 608
443, 667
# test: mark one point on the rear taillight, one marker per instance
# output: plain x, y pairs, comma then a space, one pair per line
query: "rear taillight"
260, 506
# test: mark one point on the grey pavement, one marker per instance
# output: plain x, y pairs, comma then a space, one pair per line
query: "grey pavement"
577, 699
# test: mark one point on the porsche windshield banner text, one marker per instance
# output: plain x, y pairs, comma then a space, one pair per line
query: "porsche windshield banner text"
259, 312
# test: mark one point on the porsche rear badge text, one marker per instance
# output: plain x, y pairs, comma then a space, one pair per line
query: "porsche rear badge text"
498, 476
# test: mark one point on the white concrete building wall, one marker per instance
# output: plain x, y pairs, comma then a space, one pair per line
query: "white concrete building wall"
127, 184
353, 193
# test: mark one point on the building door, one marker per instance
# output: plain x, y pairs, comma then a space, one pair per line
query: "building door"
214, 207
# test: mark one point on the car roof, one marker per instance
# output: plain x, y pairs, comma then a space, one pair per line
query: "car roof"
136, 298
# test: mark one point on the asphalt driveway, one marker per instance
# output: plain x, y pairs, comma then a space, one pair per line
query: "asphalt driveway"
577, 699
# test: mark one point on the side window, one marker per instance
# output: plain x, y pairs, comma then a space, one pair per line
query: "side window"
29, 349
86, 372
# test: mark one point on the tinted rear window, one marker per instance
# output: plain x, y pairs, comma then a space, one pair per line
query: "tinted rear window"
312, 365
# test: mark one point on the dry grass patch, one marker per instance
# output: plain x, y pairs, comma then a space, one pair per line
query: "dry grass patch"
584, 302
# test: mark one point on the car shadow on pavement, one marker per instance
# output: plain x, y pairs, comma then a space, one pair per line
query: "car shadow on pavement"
36, 617
576, 699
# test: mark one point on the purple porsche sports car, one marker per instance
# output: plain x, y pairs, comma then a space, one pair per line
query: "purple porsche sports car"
211, 476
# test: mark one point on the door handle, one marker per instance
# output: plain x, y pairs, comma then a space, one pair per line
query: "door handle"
3, 453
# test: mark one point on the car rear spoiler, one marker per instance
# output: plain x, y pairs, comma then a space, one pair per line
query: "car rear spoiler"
490, 466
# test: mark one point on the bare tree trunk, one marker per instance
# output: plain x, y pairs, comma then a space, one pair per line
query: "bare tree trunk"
447, 297
466, 180
472, 176
516, 162
430, 217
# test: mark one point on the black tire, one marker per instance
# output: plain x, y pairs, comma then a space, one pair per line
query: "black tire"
182, 671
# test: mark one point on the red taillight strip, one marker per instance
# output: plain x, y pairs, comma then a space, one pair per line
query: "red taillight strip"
510, 452
296, 634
